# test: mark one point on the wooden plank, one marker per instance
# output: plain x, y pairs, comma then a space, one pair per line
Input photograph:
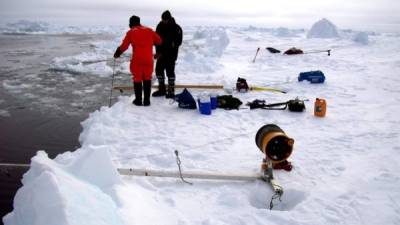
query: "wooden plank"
197, 86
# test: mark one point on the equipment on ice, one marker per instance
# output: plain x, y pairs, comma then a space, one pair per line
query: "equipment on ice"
297, 51
254, 60
273, 50
315, 77
185, 100
293, 51
112, 83
319, 107
228, 102
241, 85
272, 142
270, 139
295, 105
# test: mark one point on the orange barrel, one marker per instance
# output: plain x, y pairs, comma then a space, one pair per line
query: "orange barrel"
274, 143
320, 107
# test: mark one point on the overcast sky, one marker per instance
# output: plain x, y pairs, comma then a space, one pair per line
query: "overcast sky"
357, 14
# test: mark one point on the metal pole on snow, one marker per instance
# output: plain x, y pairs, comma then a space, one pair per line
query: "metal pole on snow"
254, 60
112, 84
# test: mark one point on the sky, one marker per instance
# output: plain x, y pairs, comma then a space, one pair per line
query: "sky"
354, 14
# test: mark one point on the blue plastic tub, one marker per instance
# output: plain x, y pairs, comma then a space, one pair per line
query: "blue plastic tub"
314, 77
204, 107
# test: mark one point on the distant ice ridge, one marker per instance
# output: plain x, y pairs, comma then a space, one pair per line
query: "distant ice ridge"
26, 26
323, 29
285, 32
40, 27
73, 189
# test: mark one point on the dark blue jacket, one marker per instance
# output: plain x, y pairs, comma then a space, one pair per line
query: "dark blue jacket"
171, 35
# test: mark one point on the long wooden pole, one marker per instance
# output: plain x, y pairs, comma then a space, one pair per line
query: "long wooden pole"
204, 86
199, 86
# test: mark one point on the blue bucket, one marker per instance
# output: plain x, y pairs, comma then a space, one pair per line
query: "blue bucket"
204, 106
213, 100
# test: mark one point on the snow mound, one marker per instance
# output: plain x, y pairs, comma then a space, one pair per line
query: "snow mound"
323, 29
213, 41
361, 38
200, 52
67, 191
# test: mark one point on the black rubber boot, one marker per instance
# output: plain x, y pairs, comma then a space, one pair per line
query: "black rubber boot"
170, 90
161, 90
137, 86
146, 91
170, 93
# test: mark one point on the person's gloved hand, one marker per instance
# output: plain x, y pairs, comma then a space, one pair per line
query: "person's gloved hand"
117, 53
157, 55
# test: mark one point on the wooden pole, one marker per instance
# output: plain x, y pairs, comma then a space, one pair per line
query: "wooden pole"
203, 86
197, 86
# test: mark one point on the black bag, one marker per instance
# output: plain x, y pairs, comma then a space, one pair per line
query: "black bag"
293, 51
296, 105
228, 102
273, 50
241, 85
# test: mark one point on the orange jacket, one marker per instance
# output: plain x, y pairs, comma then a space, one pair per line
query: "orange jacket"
142, 40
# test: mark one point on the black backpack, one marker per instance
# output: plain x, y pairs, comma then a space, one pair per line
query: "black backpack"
228, 102
185, 100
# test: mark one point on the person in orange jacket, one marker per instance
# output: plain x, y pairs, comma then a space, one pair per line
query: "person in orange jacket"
141, 39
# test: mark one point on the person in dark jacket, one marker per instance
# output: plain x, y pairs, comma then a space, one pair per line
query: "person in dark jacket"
142, 39
166, 54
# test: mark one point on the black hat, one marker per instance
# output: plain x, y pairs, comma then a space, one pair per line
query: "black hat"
166, 15
134, 21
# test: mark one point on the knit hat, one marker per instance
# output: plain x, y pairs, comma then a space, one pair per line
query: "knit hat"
166, 15
134, 21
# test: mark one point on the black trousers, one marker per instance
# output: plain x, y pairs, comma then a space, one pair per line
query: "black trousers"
167, 65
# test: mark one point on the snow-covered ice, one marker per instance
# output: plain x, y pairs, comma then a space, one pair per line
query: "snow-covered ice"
345, 164
70, 190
